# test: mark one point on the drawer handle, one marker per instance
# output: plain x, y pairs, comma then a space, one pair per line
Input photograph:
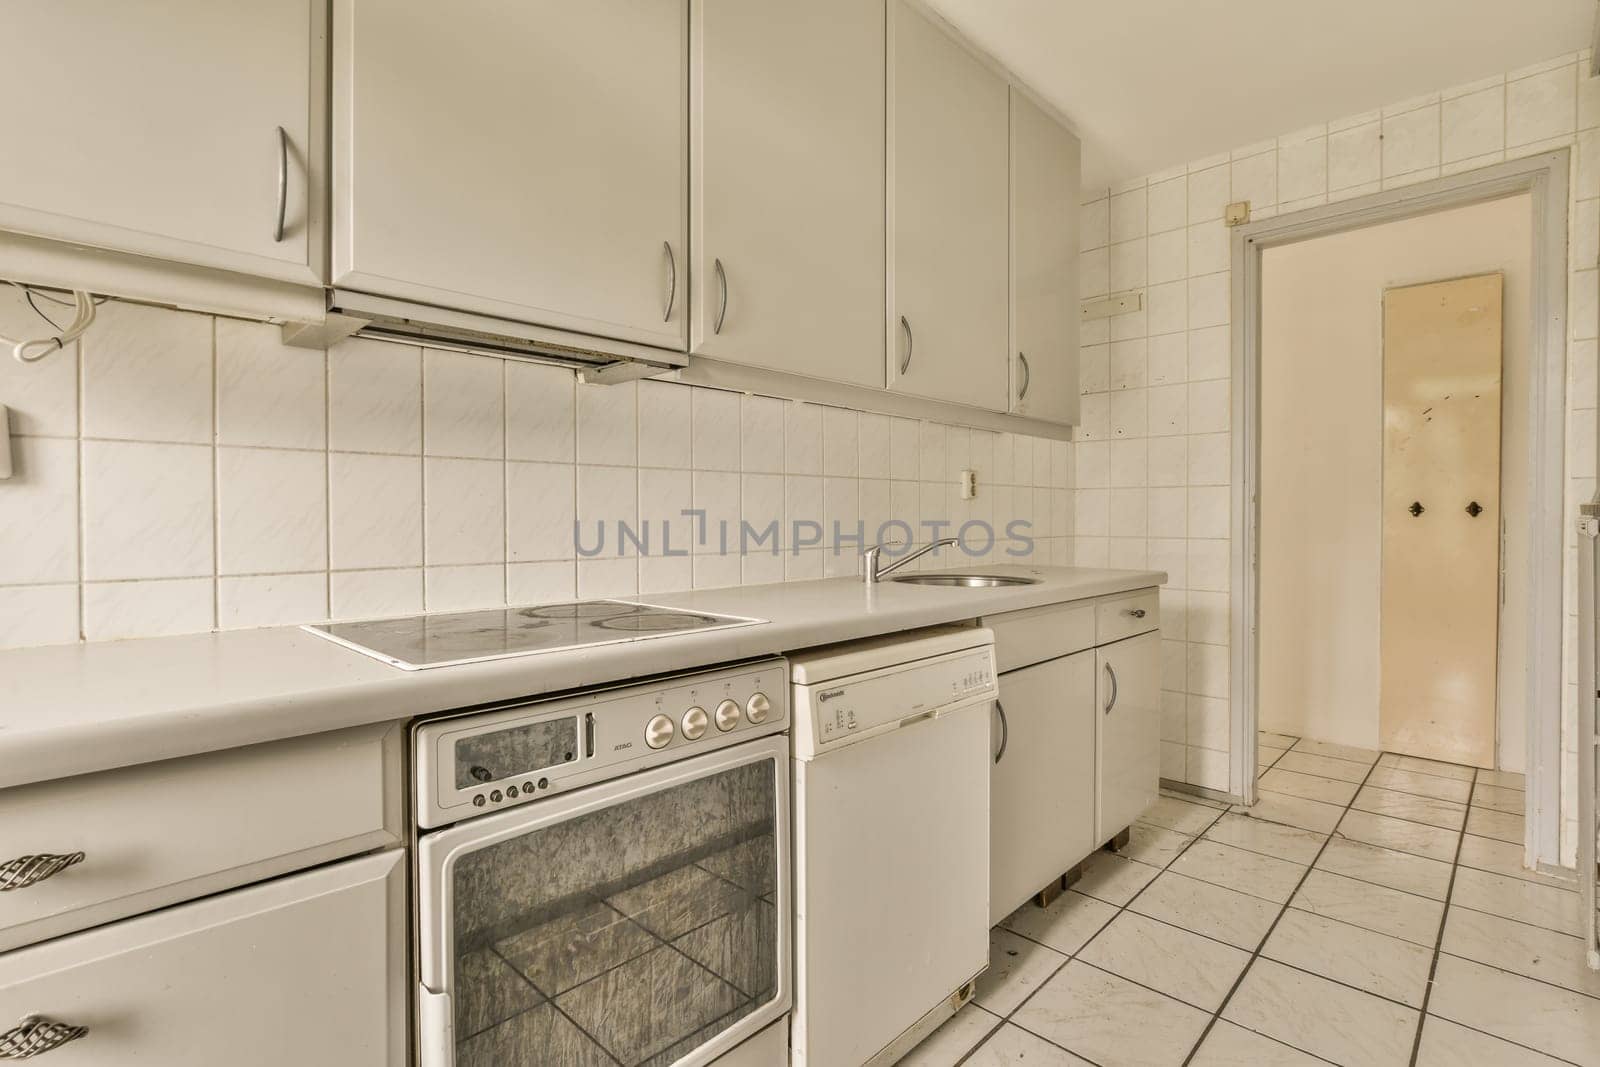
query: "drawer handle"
1137, 613
24, 871
1113, 701
35, 1036
1005, 730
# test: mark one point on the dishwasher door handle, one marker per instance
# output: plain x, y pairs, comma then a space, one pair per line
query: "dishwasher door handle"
1005, 730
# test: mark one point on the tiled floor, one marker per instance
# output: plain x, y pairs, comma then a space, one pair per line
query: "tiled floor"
1370, 910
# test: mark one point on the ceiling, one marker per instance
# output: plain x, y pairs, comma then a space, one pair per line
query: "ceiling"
1150, 84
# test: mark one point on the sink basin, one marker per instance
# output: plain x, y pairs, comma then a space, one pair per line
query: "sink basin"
970, 581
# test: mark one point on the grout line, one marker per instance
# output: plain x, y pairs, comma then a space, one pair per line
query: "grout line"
1518, 974
1433, 966
1255, 955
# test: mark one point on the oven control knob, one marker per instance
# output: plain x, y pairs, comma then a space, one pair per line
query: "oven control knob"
757, 708
694, 723
658, 731
728, 715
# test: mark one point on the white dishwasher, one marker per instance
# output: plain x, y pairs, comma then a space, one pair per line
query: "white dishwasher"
891, 839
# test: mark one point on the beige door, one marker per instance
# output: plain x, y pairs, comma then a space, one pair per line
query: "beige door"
1044, 264
787, 161
949, 287
526, 160
1441, 519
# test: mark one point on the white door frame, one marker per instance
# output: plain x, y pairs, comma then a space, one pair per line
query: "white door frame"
1545, 177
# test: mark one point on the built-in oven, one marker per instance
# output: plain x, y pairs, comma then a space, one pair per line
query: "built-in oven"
604, 878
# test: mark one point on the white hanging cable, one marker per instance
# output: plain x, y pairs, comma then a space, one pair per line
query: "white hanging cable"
33, 350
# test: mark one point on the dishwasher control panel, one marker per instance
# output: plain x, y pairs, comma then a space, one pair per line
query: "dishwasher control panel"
833, 712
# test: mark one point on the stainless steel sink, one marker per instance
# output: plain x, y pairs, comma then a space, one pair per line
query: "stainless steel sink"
970, 581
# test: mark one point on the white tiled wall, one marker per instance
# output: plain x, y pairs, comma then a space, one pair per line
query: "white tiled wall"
1153, 452
179, 473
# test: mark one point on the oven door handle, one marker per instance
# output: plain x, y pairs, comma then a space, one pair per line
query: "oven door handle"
436, 1039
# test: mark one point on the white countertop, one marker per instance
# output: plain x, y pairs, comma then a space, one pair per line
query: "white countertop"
72, 709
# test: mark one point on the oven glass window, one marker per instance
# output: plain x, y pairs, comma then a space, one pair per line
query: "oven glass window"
519, 750
632, 934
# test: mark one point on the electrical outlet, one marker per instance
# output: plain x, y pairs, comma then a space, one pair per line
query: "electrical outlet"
969, 484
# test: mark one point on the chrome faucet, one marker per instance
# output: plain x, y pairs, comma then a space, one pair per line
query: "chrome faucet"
875, 571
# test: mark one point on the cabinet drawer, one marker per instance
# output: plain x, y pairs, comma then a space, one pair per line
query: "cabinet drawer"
1034, 635
164, 832
1126, 616
304, 970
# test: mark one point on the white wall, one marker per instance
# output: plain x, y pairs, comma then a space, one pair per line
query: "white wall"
1152, 461
180, 473
1322, 459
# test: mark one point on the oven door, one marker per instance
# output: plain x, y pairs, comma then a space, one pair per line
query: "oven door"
638, 921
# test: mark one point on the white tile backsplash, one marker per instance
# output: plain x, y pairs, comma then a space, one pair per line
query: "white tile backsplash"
147, 510
147, 375
463, 405
39, 519
375, 397
269, 394
272, 511
374, 511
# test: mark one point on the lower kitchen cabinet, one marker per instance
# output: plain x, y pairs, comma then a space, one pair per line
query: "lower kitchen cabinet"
1042, 786
1128, 737
308, 969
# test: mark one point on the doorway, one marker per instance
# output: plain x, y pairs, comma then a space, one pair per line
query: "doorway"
1342, 490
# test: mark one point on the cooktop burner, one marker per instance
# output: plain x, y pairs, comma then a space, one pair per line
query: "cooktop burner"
416, 642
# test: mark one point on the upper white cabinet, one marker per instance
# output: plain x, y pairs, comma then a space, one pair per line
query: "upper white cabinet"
1044, 264
788, 191
947, 218
184, 130
523, 160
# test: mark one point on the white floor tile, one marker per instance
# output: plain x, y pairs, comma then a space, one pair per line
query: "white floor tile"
1448, 1044
1238, 919
1245, 872
1267, 737
1323, 766
1531, 951
946, 1045
1230, 1045
1011, 1045
1502, 779
1017, 967
1373, 907
1503, 857
1110, 1020
1426, 785
1154, 845
1499, 798
1365, 756
1500, 825
1066, 925
1538, 1016
1184, 816
1293, 811
1514, 898
1268, 838
1432, 841
1191, 968
1308, 786
1113, 879
1377, 963
1397, 870
1324, 1018
1426, 766
1434, 812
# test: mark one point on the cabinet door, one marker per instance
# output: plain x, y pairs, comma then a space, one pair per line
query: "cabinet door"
1128, 763
1044, 265
1041, 788
152, 128
788, 185
948, 303
522, 160
306, 969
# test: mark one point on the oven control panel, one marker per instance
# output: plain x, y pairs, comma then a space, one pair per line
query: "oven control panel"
493, 758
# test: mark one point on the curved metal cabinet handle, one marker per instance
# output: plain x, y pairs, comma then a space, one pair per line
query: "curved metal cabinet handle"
25, 871
722, 283
911, 341
1027, 376
35, 1036
1113, 701
283, 184
672, 280
1005, 730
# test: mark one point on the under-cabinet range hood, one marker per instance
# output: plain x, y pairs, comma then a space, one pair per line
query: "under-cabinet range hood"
598, 359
